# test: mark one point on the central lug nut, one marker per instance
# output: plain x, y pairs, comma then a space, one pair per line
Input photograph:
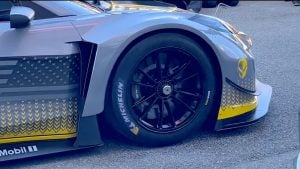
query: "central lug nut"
167, 90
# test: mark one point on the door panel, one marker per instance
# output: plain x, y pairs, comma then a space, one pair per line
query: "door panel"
42, 38
39, 81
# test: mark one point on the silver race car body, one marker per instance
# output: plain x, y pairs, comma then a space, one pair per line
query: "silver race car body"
59, 72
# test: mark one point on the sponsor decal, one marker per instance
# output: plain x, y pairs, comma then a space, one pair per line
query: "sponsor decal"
121, 104
17, 151
242, 68
207, 98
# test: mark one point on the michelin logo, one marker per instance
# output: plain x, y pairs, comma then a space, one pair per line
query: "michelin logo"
16, 151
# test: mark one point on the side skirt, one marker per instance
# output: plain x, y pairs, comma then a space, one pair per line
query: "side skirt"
88, 135
30, 149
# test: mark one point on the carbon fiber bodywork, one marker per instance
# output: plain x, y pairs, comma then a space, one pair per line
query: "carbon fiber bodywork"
55, 73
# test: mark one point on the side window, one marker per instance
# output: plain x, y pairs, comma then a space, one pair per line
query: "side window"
5, 7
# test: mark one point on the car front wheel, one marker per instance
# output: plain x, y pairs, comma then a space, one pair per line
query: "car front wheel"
162, 90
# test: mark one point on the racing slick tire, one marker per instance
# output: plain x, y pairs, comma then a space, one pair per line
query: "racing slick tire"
162, 90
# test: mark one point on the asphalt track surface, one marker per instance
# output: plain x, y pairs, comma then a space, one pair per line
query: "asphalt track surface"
273, 143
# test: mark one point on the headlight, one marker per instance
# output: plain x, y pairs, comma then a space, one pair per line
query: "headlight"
241, 37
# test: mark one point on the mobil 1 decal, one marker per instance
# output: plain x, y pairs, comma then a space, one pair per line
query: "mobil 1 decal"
18, 150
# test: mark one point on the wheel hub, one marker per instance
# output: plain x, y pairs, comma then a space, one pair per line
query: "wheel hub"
167, 90
164, 89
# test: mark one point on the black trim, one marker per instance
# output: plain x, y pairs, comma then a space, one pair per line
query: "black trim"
235, 122
42, 147
88, 132
87, 54
254, 93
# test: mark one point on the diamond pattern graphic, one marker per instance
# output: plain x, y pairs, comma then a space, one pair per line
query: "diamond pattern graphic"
233, 97
44, 71
43, 96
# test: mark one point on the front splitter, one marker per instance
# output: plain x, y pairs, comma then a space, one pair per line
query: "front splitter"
263, 100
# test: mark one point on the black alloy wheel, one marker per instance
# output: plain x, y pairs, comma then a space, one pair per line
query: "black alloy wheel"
166, 90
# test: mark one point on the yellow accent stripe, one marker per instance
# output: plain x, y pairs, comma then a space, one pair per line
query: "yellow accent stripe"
38, 120
37, 138
236, 110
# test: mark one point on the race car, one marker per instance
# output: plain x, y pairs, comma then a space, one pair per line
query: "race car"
150, 76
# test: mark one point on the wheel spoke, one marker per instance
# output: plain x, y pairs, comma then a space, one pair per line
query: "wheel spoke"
187, 93
170, 114
167, 67
158, 64
182, 79
184, 104
147, 75
180, 69
143, 99
143, 84
145, 112
160, 113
